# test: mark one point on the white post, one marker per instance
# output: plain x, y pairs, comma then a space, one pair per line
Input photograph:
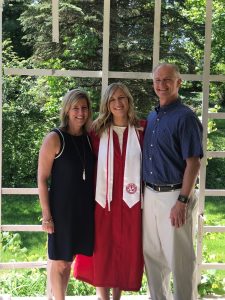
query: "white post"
205, 105
105, 56
55, 21
156, 41
55, 38
1, 9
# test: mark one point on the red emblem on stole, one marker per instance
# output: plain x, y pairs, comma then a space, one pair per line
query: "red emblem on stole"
131, 188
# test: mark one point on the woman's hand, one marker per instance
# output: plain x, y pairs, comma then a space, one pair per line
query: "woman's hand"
48, 225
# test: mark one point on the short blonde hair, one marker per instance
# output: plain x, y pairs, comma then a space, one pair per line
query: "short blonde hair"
172, 66
105, 117
70, 98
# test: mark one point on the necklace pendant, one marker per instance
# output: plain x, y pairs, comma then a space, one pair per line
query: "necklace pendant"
84, 175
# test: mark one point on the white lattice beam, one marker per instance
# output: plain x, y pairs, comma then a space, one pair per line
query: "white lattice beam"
214, 228
20, 191
99, 74
211, 192
55, 21
205, 108
52, 72
216, 115
21, 228
156, 37
23, 265
105, 55
1, 9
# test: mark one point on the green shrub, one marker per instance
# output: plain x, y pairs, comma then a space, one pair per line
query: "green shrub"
211, 284
23, 282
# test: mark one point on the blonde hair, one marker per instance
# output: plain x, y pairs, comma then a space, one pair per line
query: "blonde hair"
105, 117
172, 66
70, 98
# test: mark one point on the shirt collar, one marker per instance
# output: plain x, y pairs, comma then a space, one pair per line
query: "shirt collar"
169, 106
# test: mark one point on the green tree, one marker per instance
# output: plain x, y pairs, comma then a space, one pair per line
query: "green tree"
80, 33
11, 26
23, 124
131, 39
30, 100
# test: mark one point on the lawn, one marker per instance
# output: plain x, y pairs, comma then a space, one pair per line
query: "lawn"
218, 136
27, 246
23, 210
213, 243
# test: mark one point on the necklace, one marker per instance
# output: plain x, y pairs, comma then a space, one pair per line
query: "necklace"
82, 157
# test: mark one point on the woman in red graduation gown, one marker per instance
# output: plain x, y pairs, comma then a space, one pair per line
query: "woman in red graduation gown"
117, 261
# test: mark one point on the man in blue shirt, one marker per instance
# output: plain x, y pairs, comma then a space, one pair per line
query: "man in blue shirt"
171, 161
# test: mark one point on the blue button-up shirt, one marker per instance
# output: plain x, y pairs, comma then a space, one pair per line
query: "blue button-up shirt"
173, 134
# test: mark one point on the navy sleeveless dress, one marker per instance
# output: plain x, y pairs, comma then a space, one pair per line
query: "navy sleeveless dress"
71, 199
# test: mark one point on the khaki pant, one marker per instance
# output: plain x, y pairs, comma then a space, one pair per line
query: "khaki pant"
168, 249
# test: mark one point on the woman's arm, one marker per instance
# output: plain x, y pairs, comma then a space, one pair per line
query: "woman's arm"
48, 151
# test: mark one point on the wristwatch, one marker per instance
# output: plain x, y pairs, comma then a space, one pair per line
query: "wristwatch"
183, 199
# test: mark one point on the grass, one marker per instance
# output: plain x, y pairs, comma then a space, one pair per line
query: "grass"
31, 246
215, 211
218, 136
213, 243
23, 283
215, 174
24, 210
213, 248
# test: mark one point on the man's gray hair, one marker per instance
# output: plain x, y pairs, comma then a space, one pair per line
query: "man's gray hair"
172, 66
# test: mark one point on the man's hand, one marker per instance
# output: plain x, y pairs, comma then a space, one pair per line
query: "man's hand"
178, 214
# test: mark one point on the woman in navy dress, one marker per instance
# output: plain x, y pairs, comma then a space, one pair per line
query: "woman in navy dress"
67, 204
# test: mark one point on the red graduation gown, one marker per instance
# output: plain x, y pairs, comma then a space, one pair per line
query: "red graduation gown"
117, 260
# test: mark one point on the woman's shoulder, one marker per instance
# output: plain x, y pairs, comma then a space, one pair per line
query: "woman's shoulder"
51, 142
52, 135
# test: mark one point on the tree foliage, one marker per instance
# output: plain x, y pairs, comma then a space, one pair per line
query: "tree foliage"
22, 120
80, 45
31, 105
11, 27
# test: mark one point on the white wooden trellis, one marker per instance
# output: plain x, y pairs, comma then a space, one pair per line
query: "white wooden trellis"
55, 21
105, 74
1, 9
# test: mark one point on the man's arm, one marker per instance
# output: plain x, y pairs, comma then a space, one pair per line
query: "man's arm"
178, 211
